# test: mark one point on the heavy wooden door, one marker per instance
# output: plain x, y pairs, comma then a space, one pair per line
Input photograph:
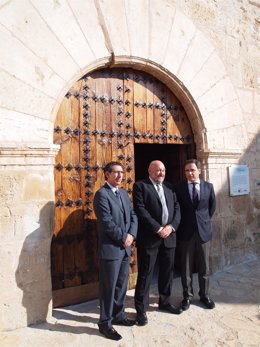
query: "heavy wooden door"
102, 118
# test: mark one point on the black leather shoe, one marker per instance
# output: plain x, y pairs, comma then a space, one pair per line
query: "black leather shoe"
110, 333
185, 304
170, 308
125, 322
141, 318
208, 303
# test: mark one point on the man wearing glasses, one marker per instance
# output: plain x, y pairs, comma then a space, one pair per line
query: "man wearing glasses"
117, 229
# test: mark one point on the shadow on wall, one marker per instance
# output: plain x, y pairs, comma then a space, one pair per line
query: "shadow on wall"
33, 275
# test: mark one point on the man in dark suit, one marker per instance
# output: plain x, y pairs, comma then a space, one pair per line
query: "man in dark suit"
197, 202
117, 229
158, 216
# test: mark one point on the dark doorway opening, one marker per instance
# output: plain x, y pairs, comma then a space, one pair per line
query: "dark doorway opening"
173, 157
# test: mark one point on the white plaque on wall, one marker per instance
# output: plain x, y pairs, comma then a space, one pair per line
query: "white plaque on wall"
239, 180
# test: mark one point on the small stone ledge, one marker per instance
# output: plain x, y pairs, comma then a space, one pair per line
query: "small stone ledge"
28, 155
220, 156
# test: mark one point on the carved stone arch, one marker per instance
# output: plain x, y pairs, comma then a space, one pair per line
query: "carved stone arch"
163, 75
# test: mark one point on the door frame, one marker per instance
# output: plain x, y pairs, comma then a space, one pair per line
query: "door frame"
192, 111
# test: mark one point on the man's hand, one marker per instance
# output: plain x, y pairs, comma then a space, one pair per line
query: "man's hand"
166, 231
129, 240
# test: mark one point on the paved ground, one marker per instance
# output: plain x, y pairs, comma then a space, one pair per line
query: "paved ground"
234, 322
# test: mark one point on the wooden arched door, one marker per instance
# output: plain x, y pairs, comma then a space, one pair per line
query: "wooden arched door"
112, 114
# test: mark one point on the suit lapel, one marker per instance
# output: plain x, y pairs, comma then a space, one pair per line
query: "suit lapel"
154, 191
202, 191
166, 194
112, 196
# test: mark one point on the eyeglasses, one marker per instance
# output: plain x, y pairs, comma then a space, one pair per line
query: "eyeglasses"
118, 172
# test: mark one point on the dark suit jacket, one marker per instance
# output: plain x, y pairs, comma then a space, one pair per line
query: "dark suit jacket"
196, 218
113, 222
148, 208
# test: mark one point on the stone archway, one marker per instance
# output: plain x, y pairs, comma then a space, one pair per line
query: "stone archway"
106, 116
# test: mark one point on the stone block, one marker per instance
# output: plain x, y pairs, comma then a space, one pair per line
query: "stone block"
35, 103
231, 136
199, 51
224, 205
88, 19
113, 14
252, 126
25, 265
182, 32
9, 188
218, 99
16, 314
215, 139
31, 29
246, 99
235, 137
216, 179
216, 242
234, 233
137, 16
159, 19
210, 74
26, 66
234, 47
33, 222
36, 187
7, 229
61, 20
12, 312
22, 128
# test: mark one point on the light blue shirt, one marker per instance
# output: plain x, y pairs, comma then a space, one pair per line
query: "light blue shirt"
197, 187
114, 189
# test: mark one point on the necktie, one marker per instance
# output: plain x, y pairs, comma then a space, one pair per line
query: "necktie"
165, 213
195, 196
118, 197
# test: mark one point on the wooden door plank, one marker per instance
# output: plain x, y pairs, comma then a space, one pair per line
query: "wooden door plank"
149, 110
74, 295
140, 97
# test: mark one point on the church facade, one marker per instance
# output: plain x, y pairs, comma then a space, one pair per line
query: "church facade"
85, 82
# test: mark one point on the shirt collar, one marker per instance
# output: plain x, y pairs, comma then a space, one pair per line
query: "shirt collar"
197, 182
154, 183
114, 189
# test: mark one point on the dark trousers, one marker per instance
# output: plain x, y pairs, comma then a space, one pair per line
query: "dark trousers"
146, 261
194, 254
113, 279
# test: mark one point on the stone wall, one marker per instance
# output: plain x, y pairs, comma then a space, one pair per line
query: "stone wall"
26, 227
207, 52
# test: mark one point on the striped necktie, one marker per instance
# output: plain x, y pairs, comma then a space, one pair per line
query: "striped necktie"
165, 213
